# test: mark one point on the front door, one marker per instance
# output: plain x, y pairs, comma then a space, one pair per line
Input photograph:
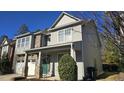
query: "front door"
46, 65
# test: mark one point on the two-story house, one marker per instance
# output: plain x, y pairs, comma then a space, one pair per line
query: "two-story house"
38, 53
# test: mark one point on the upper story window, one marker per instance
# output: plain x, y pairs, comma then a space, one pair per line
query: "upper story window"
61, 36
22, 42
4, 48
64, 35
19, 43
27, 41
48, 38
68, 34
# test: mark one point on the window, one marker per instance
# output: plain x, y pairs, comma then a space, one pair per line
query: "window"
68, 31
19, 42
23, 42
68, 34
27, 41
64, 35
20, 58
48, 37
61, 35
5, 49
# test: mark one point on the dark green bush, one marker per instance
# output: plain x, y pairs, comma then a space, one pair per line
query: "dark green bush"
110, 67
5, 65
67, 68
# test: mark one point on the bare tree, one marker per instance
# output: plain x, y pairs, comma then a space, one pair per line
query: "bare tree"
114, 28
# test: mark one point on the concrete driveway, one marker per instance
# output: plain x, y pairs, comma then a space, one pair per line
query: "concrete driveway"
8, 77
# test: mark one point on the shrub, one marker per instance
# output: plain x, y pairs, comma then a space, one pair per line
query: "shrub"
67, 68
110, 67
5, 65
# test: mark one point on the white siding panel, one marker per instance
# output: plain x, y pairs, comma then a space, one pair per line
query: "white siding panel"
76, 33
80, 66
65, 20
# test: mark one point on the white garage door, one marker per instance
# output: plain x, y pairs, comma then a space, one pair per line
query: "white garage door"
19, 68
31, 67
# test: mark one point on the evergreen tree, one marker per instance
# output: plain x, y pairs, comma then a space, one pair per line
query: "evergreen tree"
23, 29
111, 53
5, 65
67, 68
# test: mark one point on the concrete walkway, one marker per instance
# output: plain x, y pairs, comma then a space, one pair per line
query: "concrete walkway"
8, 77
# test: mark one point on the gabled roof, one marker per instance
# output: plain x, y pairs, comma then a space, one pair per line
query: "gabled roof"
73, 14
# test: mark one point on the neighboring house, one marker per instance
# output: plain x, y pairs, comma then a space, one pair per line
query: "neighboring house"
7, 48
1, 40
41, 51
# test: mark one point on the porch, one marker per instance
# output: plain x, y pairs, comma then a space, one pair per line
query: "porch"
46, 60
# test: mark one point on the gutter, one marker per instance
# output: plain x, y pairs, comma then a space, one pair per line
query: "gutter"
50, 46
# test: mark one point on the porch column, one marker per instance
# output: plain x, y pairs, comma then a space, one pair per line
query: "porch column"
38, 68
73, 53
25, 69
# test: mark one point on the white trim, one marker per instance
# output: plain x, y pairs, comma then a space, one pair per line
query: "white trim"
72, 16
57, 20
36, 33
73, 52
